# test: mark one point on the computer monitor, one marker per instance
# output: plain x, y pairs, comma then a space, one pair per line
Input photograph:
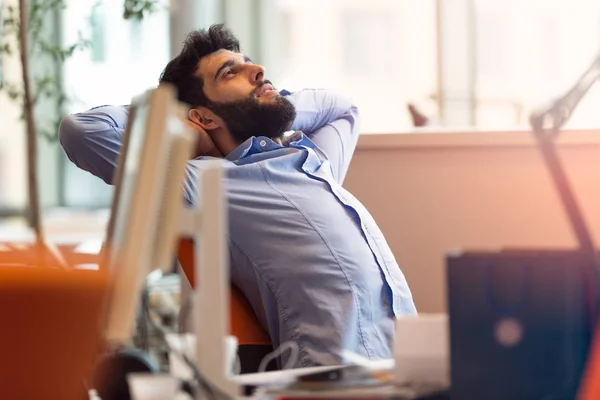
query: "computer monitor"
143, 226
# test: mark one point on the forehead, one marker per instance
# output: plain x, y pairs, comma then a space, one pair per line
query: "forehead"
210, 64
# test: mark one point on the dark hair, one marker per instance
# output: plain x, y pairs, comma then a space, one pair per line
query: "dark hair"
180, 71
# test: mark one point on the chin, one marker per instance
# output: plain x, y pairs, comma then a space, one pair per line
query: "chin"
263, 100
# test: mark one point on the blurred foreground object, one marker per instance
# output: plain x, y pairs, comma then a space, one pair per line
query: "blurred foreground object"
546, 125
50, 335
524, 328
590, 387
519, 326
142, 231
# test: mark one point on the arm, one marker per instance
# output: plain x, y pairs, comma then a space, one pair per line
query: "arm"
316, 108
92, 139
331, 122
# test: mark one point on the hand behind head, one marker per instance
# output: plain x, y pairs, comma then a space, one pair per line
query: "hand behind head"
205, 145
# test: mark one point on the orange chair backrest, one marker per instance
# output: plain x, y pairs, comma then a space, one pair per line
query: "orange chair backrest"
243, 323
50, 335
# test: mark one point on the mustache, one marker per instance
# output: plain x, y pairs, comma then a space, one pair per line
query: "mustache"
261, 84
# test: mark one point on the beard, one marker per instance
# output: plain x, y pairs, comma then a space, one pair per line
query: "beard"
247, 118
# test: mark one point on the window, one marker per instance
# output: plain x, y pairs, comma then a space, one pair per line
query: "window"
498, 61
126, 60
529, 53
366, 43
12, 136
482, 62
98, 33
381, 52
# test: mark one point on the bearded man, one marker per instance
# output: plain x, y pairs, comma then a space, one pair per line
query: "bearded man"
307, 254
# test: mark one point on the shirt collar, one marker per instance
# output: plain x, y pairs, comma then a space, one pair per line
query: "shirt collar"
260, 144
240, 151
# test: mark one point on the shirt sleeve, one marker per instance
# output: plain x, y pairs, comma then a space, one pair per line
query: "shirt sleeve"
332, 122
92, 140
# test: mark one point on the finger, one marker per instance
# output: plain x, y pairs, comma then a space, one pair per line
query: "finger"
193, 125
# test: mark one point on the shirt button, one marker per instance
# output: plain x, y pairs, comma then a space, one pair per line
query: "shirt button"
263, 143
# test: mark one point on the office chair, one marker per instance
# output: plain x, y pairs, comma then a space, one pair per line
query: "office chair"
254, 342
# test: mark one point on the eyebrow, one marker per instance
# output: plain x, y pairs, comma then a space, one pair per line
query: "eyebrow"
229, 63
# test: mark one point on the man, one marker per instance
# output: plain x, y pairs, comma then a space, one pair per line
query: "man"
307, 254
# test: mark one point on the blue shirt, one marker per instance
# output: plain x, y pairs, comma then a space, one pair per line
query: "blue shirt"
306, 253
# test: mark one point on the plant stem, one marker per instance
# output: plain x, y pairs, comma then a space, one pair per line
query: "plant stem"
32, 175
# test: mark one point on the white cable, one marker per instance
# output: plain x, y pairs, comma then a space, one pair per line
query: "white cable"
291, 362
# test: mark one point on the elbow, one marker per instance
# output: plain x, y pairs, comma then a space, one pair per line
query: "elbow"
353, 116
89, 144
69, 134
350, 112
354, 112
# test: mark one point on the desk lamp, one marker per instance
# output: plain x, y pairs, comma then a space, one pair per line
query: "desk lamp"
523, 328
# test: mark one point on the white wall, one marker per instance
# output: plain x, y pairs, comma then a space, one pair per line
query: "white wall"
432, 193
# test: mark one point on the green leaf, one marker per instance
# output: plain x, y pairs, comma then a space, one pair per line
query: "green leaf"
6, 48
46, 84
138, 9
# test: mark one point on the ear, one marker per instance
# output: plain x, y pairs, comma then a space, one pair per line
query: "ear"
205, 118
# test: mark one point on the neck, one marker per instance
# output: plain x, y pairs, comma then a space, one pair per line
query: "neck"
223, 141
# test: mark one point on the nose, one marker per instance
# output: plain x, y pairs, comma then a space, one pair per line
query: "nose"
257, 73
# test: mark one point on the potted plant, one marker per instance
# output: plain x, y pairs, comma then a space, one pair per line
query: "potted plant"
51, 336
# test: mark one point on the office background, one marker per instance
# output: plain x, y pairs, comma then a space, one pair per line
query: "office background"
475, 64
